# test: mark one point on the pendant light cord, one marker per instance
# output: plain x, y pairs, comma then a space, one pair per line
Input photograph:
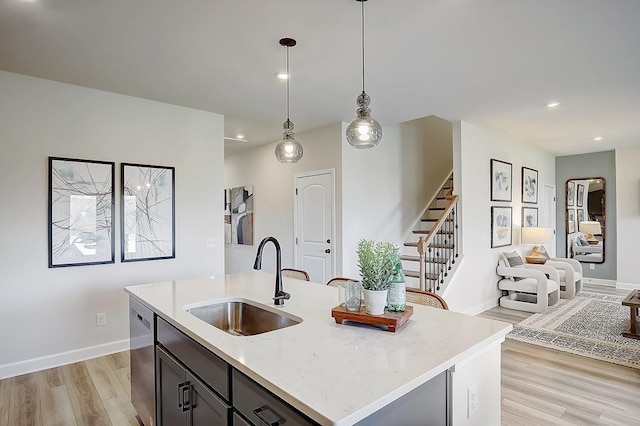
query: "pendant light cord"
288, 78
362, 4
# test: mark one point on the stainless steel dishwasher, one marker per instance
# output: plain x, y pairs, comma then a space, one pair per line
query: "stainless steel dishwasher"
141, 328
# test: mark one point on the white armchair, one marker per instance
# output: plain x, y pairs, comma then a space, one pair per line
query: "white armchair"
526, 287
569, 273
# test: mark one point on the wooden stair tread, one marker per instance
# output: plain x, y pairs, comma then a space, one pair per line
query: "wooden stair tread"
433, 245
428, 231
411, 258
437, 208
416, 274
426, 219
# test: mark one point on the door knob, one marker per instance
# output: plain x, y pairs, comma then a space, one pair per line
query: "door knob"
327, 251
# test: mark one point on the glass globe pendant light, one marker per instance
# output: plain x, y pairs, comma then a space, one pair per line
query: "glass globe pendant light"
364, 131
288, 150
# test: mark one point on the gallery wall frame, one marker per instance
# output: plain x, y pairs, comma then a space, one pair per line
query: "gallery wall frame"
529, 185
580, 216
501, 226
81, 203
501, 180
580, 195
571, 194
529, 217
147, 211
571, 220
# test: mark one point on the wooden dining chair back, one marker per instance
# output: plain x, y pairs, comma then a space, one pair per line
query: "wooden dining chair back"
298, 274
427, 298
335, 282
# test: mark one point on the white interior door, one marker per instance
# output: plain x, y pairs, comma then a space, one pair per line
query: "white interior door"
548, 218
314, 225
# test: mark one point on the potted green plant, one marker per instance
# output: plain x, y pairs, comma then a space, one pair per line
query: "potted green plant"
375, 260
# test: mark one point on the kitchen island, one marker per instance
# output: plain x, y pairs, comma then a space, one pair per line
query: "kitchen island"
342, 374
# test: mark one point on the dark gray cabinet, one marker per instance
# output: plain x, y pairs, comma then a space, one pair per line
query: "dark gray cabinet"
183, 399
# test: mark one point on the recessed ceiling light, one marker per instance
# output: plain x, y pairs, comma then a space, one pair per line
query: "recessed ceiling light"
597, 138
240, 136
282, 75
553, 104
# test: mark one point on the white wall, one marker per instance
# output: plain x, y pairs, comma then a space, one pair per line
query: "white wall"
474, 287
273, 189
48, 316
387, 188
628, 215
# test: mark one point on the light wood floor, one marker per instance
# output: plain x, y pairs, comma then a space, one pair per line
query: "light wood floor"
542, 386
93, 392
539, 387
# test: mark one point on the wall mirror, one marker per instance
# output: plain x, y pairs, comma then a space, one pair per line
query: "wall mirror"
585, 219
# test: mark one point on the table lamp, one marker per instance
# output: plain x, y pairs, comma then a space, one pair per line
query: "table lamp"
591, 228
537, 237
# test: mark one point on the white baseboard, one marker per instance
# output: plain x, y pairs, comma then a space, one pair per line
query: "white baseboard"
64, 358
487, 304
628, 286
598, 281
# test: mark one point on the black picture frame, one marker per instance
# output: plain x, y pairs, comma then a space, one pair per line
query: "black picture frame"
580, 217
80, 217
571, 220
501, 226
529, 217
529, 185
147, 212
580, 195
501, 180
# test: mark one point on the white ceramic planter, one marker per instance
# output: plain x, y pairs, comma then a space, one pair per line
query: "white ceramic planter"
375, 301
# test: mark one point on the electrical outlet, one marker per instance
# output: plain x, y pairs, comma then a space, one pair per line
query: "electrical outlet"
210, 242
101, 319
472, 400
592, 266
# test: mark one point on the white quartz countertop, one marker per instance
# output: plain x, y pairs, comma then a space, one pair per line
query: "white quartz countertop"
336, 374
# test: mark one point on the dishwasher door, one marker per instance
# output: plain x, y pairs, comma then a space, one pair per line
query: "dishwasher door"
143, 389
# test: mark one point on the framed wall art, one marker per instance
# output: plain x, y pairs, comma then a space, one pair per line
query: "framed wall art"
571, 194
242, 215
501, 179
529, 217
571, 220
500, 226
580, 195
529, 185
147, 212
81, 203
580, 216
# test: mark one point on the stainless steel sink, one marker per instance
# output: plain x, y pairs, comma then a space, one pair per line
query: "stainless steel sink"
241, 317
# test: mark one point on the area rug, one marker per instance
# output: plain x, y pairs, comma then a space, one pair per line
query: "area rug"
588, 325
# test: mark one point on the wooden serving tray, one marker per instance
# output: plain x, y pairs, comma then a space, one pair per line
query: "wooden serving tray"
391, 320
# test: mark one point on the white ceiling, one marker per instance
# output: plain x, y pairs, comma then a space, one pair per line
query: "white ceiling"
495, 63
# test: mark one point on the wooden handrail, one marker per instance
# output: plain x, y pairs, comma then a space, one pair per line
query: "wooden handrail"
424, 242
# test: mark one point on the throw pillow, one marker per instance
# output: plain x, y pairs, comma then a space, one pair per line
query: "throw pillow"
514, 260
583, 241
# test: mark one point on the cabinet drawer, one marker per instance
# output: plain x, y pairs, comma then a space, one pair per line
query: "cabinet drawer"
262, 407
209, 367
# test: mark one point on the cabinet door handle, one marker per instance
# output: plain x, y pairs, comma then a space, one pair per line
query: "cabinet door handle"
327, 251
184, 396
260, 413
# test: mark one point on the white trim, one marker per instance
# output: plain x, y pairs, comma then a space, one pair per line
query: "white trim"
628, 286
484, 306
332, 172
63, 358
598, 281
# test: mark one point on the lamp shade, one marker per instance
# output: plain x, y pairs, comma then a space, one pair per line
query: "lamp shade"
592, 228
537, 236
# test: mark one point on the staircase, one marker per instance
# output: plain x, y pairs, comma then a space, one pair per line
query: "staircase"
432, 251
